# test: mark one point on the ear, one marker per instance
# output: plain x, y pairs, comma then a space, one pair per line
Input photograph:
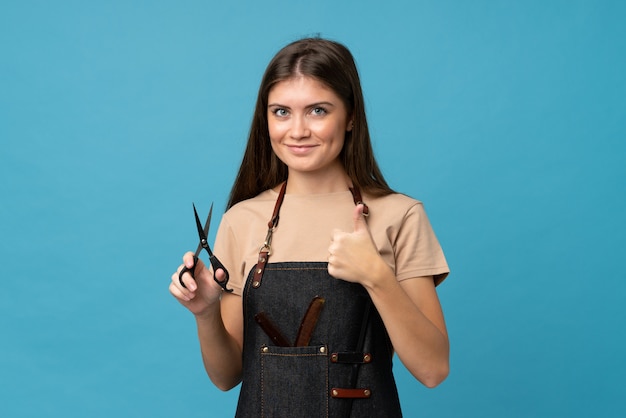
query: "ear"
350, 126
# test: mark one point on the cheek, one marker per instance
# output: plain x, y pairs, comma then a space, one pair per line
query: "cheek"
326, 132
276, 133
337, 136
275, 139
339, 146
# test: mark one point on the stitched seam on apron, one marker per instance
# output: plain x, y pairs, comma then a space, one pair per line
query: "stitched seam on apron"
294, 268
262, 388
293, 355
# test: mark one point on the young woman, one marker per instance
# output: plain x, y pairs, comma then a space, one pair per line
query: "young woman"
333, 272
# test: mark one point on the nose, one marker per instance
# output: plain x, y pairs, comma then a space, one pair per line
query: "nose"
299, 128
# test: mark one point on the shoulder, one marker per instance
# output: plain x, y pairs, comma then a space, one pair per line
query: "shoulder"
394, 204
251, 215
397, 213
255, 204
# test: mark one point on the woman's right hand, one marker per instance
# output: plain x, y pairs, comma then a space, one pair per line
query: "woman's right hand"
219, 321
200, 294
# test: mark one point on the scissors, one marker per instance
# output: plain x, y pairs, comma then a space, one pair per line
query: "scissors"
215, 263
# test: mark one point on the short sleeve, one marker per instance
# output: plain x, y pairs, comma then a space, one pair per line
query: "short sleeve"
228, 252
416, 248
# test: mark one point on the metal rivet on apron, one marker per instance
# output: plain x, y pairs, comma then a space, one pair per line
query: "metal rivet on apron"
262, 260
334, 357
366, 392
335, 393
256, 284
322, 349
265, 349
367, 358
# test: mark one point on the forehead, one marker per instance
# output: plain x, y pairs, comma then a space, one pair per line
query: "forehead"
301, 88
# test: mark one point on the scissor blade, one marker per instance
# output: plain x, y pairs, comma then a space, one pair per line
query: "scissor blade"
201, 233
207, 224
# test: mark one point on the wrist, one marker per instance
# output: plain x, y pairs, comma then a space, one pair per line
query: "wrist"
381, 276
208, 313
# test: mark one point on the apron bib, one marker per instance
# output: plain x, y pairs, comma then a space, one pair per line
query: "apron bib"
345, 368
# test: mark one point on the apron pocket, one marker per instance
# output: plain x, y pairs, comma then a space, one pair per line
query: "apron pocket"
294, 381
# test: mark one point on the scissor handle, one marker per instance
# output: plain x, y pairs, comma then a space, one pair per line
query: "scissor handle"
215, 263
191, 271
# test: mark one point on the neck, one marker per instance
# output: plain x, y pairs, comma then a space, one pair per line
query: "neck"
315, 183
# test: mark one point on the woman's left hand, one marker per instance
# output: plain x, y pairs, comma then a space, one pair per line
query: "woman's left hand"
409, 309
353, 256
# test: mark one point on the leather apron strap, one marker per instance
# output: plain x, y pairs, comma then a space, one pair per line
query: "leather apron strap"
266, 248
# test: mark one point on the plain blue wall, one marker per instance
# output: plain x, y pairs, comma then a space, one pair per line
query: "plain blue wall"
507, 118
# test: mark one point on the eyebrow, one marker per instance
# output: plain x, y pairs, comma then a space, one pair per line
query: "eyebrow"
307, 106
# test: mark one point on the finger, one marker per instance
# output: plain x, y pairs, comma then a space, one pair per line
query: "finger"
178, 291
360, 224
220, 275
188, 259
334, 233
185, 279
189, 281
332, 269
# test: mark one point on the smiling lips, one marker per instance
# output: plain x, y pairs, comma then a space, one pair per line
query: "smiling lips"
300, 149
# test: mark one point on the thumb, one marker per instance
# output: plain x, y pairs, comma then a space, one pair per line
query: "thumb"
360, 223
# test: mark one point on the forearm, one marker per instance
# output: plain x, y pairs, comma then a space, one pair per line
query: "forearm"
421, 343
221, 353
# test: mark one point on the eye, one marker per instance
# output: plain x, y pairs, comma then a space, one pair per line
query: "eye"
280, 112
319, 111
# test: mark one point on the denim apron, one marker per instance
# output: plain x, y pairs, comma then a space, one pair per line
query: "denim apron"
344, 370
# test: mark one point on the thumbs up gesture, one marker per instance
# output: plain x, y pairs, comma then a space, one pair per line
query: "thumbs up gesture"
353, 256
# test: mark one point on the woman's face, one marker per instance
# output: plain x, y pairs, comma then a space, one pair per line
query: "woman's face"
307, 124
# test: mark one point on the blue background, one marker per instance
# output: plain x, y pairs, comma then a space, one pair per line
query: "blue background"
507, 118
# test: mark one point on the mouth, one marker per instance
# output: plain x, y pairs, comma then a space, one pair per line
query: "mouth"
300, 149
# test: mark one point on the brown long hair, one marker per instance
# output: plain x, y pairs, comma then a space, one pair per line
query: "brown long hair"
332, 64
